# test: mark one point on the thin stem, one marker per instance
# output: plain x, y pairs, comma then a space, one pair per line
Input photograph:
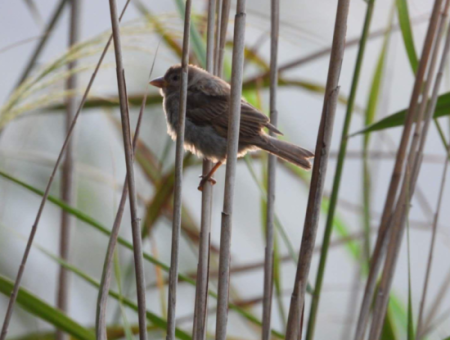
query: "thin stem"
125, 118
419, 332
201, 293
271, 175
67, 175
338, 173
319, 172
34, 227
102, 300
177, 203
232, 148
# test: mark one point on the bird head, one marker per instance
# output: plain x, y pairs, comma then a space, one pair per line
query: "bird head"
171, 81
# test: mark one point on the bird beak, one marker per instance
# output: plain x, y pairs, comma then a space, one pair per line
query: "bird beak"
159, 82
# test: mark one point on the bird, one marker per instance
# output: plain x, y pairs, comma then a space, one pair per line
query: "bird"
206, 123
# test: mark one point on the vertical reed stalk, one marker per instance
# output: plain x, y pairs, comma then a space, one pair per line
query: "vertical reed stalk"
126, 132
271, 174
67, 185
102, 299
225, 15
412, 171
217, 38
419, 332
35, 225
201, 293
382, 238
177, 204
338, 173
319, 172
232, 147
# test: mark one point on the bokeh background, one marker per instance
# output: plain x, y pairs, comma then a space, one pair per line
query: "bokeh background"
30, 142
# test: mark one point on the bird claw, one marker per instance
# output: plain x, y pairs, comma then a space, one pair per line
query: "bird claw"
204, 180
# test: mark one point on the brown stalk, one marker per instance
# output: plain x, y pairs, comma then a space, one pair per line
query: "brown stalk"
230, 175
400, 213
126, 132
419, 332
177, 202
439, 298
225, 14
34, 227
319, 172
217, 37
102, 299
382, 238
201, 293
40, 46
67, 174
271, 172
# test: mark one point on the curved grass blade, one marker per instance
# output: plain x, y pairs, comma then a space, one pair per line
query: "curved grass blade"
398, 118
197, 42
90, 221
44, 311
405, 27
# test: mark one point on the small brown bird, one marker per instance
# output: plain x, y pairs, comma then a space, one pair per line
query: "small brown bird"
207, 112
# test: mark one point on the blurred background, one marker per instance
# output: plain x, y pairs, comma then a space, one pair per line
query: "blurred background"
33, 129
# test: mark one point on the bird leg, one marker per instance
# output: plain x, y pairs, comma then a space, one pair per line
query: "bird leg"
208, 177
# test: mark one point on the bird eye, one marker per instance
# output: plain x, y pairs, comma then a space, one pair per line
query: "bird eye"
176, 77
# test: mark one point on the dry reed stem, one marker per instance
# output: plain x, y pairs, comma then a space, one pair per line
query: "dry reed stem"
319, 172
42, 42
412, 170
420, 159
67, 174
437, 301
232, 147
177, 203
382, 238
201, 293
272, 161
34, 227
102, 299
225, 14
419, 332
217, 38
126, 132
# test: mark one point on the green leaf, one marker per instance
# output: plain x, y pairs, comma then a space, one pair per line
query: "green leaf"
90, 221
44, 311
398, 118
197, 42
405, 27
153, 318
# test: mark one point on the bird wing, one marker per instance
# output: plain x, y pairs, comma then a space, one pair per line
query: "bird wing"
203, 109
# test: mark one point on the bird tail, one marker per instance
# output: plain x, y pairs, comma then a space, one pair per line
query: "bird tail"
287, 151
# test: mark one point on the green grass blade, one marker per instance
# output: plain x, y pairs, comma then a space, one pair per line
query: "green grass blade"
197, 42
93, 223
405, 27
329, 225
155, 319
388, 332
372, 108
44, 311
398, 118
